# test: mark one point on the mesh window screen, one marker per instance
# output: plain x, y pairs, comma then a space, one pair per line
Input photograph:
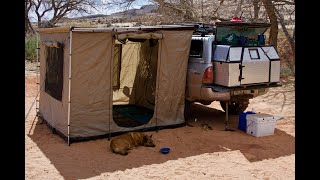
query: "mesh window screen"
54, 72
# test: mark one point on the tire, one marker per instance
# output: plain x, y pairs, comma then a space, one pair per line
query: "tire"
187, 109
235, 108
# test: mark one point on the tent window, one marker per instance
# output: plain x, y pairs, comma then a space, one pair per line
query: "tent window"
196, 49
117, 65
54, 72
254, 54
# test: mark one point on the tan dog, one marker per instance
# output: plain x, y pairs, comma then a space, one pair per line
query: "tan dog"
121, 144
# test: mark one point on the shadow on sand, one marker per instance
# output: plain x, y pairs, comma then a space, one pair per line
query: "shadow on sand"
92, 158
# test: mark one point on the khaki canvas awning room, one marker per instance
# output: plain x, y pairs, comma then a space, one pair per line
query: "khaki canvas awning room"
100, 82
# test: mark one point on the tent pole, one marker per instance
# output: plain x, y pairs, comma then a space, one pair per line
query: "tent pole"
37, 73
111, 94
157, 83
69, 88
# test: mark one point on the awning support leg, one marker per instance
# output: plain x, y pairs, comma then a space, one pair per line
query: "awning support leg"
227, 118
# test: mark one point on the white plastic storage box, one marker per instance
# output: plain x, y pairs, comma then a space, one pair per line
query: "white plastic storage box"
261, 124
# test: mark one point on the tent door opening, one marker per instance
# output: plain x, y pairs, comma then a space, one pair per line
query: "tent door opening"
134, 81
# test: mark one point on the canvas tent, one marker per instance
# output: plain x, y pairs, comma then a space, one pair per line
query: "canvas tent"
94, 79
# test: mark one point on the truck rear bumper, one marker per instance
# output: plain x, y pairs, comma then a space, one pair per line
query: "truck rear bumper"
218, 88
221, 93
208, 94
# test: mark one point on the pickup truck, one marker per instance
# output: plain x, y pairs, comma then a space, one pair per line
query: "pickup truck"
232, 64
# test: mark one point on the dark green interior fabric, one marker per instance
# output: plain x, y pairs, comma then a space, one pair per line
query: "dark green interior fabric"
133, 115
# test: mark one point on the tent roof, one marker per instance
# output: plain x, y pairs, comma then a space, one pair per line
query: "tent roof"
117, 29
54, 30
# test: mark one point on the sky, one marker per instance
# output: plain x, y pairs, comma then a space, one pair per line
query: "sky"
135, 5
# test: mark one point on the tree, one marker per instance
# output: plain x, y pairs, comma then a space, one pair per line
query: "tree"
285, 30
27, 24
273, 37
236, 14
119, 3
189, 10
272, 14
60, 8
256, 9
285, 25
178, 9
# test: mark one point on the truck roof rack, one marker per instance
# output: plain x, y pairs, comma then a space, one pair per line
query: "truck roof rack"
202, 28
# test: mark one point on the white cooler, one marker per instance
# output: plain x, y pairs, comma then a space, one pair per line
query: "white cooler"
260, 124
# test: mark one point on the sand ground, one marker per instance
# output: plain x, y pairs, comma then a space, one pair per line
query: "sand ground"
196, 153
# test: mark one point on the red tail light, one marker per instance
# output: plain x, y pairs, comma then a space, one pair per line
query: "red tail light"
208, 76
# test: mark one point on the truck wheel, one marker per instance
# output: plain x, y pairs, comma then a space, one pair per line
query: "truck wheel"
235, 107
187, 109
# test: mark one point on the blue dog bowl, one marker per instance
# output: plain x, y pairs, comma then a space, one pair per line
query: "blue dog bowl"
165, 150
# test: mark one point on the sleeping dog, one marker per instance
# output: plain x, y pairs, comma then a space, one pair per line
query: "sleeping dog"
121, 144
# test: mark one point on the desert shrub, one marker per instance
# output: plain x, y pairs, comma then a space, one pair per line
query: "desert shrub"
30, 51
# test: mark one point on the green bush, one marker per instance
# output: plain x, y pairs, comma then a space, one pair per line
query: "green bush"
30, 48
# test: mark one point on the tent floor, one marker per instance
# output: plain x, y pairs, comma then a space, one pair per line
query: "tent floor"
131, 115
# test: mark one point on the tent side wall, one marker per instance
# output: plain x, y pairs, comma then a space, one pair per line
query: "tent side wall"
91, 83
172, 73
55, 112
